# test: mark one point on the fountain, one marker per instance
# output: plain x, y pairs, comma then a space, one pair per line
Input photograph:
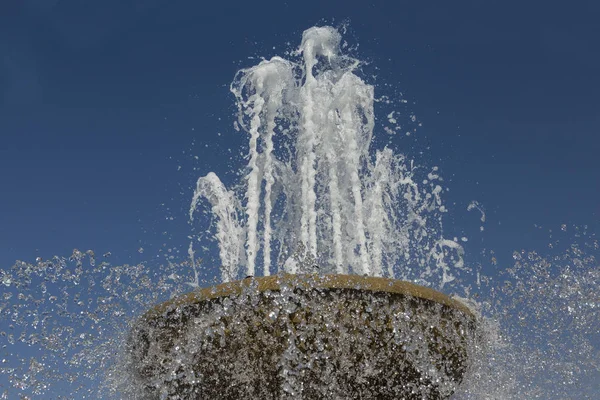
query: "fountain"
329, 250
326, 217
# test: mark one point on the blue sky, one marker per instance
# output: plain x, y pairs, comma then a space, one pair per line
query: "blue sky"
101, 104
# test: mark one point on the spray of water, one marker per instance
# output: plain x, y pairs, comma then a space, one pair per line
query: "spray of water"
323, 196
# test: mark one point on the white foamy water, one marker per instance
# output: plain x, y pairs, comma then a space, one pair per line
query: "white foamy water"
324, 196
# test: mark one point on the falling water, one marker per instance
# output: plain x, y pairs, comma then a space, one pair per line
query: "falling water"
323, 196
316, 192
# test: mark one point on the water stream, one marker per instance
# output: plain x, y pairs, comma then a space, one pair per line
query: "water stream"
315, 192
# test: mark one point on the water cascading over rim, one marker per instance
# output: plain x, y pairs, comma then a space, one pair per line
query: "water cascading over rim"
303, 337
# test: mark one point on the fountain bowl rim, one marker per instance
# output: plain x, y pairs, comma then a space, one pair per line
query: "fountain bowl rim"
309, 281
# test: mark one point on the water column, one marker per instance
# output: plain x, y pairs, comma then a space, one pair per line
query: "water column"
312, 193
264, 86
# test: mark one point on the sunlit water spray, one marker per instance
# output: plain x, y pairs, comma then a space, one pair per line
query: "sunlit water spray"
316, 192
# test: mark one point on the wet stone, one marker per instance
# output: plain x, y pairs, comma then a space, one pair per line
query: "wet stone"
332, 343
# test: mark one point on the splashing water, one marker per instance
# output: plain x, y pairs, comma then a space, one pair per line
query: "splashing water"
314, 193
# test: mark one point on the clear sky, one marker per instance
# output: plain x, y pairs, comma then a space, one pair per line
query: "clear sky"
101, 103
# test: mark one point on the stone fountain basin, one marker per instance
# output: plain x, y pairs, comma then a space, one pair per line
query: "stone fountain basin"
303, 337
